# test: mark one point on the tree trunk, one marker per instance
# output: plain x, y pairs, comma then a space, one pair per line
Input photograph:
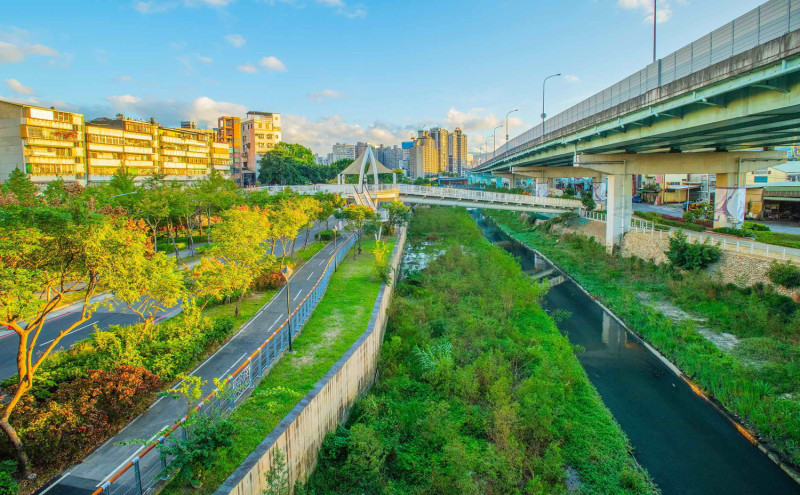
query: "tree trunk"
171, 229
19, 448
238, 302
208, 225
155, 237
191, 237
308, 229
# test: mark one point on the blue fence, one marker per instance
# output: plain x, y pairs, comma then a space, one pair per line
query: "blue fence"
147, 468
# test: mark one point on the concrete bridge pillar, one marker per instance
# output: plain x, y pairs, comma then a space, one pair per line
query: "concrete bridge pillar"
619, 209
729, 200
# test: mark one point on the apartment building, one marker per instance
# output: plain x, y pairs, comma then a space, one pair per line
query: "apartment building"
121, 142
185, 153
344, 151
424, 156
457, 152
261, 131
441, 140
44, 142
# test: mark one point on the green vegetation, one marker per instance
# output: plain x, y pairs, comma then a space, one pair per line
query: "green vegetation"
784, 274
661, 220
691, 256
758, 380
478, 392
339, 319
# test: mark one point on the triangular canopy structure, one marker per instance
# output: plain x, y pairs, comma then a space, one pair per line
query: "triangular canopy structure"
357, 167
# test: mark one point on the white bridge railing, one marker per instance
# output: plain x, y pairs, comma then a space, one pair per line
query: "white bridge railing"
445, 193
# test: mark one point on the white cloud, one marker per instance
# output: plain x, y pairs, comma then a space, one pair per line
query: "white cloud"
124, 100
247, 68
15, 47
321, 134
571, 78
343, 9
325, 93
125, 78
478, 123
206, 111
155, 7
236, 40
646, 7
272, 63
205, 60
18, 87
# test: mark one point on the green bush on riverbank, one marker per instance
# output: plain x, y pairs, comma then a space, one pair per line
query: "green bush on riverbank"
478, 392
759, 379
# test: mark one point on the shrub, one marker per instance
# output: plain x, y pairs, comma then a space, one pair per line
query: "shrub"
691, 256
324, 235
205, 247
688, 216
221, 327
268, 280
736, 232
784, 274
760, 227
7, 484
168, 247
587, 198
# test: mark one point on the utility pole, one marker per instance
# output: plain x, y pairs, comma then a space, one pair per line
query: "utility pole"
655, 13
544, 115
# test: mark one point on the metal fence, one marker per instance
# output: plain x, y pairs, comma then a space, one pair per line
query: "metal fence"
762, 24
729, 244
147, 468
636, 223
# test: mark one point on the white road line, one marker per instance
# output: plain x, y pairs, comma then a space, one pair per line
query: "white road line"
296, 296
54, 484
222, 376
310, 275
161, 398
114, 471
45, 343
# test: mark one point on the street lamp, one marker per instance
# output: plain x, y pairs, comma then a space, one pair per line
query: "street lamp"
123, 194
335, 257
287, 272
544, 115
494, 140
655, 13
509, 113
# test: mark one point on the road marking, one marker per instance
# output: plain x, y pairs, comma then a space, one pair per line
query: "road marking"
296, 296
45, 343
54, 484
310, 275
222, 376
130, 458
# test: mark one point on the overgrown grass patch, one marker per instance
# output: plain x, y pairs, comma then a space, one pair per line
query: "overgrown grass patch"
339, 319
478, 392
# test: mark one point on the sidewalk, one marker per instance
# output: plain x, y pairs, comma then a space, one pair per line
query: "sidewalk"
83, 478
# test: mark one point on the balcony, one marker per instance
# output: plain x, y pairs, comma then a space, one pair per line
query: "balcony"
194, 142
136, 135
195, 154
173, 153
117, 148
47, 123
139, 163
173, 165
49, 143
54, 160
139, 149
105, 162
171, 139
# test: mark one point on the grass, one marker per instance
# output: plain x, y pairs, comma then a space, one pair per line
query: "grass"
758, 380
339, 319
478, 392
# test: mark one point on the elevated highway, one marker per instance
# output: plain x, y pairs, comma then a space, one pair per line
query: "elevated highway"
718, 105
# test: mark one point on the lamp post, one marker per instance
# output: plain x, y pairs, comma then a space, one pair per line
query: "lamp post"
509, 113
123, 194
494, 140
335, 257
655, 14
544, 115
287, 272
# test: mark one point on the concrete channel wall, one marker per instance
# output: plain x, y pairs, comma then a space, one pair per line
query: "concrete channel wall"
300, 434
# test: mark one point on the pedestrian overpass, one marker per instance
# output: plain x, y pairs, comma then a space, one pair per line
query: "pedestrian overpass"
373, 194
718, 105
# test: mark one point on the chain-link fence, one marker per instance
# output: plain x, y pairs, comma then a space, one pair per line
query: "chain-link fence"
151, 465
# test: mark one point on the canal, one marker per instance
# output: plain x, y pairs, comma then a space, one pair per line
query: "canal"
683, 441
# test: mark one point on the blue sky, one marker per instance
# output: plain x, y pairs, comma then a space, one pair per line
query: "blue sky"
338, 70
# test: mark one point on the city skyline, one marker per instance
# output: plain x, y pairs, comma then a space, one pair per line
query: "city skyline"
323, 78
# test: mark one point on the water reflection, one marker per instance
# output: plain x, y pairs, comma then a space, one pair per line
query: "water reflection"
685, 444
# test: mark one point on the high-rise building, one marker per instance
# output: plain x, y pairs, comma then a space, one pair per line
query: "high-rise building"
121, 142
344, 151
457, 159
361, 147
188, 124
424, 156
261, 131
185, 153
441, 140
45, 143
406, 149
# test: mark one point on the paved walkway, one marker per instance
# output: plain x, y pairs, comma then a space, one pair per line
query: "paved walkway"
83, 478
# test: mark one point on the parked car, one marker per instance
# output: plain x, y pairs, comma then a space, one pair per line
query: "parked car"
637, 199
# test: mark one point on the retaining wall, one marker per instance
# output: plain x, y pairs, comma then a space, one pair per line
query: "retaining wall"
300, 434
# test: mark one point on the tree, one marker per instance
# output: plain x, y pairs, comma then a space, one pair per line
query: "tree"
357, 217
399, 213
153, 206
147, 282
238, 243
20, 185
312, 208
688, 256
329, 204
214, 195
38, 269
284, 221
